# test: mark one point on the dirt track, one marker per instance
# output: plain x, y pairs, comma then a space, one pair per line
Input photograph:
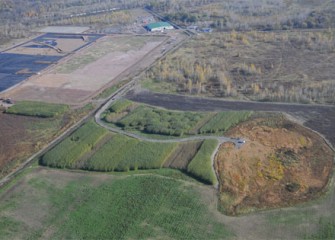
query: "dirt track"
319, 118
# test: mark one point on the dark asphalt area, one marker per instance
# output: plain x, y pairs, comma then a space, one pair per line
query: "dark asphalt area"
319, 118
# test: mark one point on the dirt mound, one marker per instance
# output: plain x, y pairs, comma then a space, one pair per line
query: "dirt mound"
281, 164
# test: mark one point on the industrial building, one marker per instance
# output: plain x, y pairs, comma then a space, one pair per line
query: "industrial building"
159, 26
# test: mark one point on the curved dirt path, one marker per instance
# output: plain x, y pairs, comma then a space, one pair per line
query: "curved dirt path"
221, 139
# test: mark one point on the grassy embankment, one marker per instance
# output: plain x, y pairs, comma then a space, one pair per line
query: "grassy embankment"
37, 109
201, 165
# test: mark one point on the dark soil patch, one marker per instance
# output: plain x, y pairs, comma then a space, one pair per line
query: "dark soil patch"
317, 117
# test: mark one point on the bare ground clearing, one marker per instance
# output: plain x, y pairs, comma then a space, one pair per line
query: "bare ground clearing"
87, 72
67, 45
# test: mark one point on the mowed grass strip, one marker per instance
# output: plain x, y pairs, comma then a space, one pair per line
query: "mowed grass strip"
222, 121
69, 151
201, 165
37, 109
123, 153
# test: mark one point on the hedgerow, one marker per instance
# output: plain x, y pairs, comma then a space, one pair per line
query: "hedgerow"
68, 152
157, 121
120, 105
37, 109
222, 121
123, 153
201, 165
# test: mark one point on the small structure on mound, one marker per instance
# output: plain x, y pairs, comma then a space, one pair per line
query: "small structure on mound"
159, 26
6, 103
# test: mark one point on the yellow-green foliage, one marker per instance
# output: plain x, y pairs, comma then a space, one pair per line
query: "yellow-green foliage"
108, 156
224, 120
37, 109
120, 106
201, 164
157, 121
123, 153
271, 169
69, 151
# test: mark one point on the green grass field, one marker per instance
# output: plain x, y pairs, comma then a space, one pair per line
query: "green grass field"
37, 109
85, 149
119, 153
222, 121
201, 165
122, 153
68, 152
54, 204
325, 230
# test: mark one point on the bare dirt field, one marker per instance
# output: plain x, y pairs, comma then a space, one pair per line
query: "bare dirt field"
281, 164
67, 43
31, 48
64, 29
319, 118
80, 76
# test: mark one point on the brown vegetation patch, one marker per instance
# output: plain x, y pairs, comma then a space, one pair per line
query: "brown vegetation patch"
50, 94
292, 66
20, 137
182, 155
281, 164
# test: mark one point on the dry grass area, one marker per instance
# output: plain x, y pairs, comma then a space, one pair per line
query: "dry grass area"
290, 66
22, 136
281, 164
